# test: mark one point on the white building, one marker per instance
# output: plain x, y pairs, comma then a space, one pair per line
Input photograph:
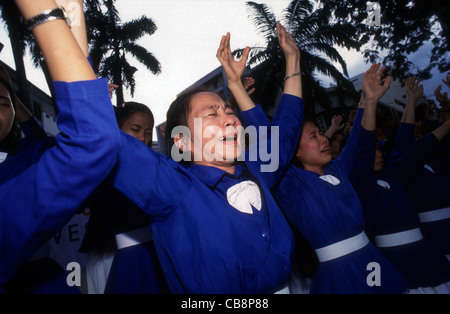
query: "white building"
41, 106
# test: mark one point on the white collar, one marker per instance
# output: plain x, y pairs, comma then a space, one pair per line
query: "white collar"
244, 195
428, 167
330, 179
384, 184
3, 157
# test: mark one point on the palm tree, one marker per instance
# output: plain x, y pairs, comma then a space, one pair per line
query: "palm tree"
316, 35
112, 42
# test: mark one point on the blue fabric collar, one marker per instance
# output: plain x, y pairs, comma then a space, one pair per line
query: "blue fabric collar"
211, 175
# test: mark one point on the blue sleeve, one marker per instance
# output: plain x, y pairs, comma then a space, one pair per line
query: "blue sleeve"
405, 167
255, 117
152, 181
37, 203
441, 157
347, 155
287, 194
32, 129
364, 158
89, 59
404, 139
276, 143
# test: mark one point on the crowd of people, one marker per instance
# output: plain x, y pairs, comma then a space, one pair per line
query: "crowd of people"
361, 208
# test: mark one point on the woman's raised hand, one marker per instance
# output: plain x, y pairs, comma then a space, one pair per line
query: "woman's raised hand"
413, 89
233, 69
287, 43
373, 88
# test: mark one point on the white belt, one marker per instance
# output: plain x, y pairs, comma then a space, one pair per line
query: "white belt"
133, 237
399, 238
285, 290
435, 215
342, 248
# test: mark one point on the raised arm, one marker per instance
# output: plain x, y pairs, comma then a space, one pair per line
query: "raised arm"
405, 162
373, 90
336, 126
444, 102
279, 137
29, 125
65, 59
85, 151
413, 92
405, 135
447, 80
74, 9
361, 144
248, 83
233, 71
292, 80
442, 131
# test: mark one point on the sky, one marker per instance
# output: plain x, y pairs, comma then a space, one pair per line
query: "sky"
185, 43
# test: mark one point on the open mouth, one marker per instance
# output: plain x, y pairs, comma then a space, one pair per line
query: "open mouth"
325, 150
228, 138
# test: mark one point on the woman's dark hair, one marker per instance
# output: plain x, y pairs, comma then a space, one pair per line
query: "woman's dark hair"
129, 108
14, 134
177, 115
294, 160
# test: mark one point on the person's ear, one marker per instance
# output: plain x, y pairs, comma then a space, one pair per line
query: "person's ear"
298, 154
179, 142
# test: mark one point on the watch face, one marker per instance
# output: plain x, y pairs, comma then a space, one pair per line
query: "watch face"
69, 21
66, 16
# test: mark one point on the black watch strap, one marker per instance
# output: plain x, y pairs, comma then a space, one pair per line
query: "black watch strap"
46, 16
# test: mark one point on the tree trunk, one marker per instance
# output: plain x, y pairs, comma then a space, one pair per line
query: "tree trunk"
119, 95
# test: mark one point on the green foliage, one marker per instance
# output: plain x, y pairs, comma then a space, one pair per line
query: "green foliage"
317, 33
112, 41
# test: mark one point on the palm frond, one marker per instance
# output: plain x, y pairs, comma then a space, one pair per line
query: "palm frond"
128, 72
263, 19
297, 10
330, 52
314, 63
137, 28
144, 57
111, 12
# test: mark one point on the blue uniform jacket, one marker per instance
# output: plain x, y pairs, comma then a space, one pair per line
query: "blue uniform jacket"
36, 203
204, 244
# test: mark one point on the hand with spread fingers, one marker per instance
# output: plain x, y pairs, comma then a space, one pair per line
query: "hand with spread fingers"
373, 88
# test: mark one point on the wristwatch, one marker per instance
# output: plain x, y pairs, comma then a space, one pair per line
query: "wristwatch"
48, 15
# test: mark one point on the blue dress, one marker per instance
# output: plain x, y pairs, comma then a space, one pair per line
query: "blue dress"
326, 210
135, 268
39, 199
429, 191
204, 244
391, 215
441, 157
